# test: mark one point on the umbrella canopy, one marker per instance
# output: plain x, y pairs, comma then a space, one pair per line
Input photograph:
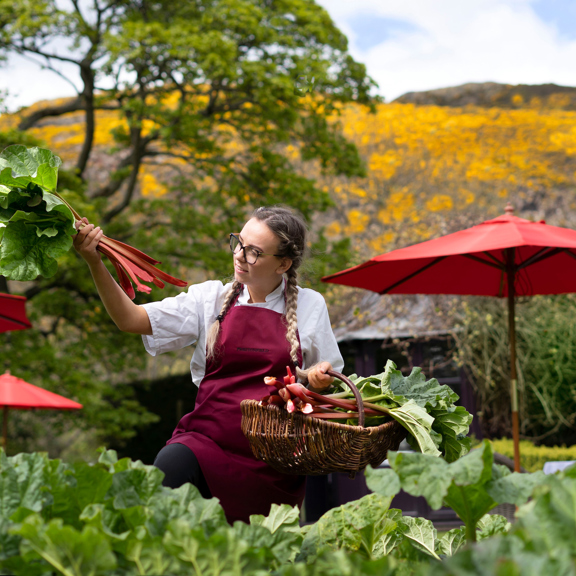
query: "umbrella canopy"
16, 393
504, 257
474, 262
13, 313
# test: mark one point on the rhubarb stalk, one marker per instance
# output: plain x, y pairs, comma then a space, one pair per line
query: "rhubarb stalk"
130, 263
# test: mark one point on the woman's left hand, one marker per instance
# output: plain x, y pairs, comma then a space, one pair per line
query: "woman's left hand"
318, 379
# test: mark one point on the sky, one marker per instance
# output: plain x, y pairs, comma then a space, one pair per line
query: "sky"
413, 45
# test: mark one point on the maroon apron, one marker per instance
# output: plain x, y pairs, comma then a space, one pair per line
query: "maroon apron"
252, 344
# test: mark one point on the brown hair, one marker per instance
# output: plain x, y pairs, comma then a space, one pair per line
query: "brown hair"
290, 229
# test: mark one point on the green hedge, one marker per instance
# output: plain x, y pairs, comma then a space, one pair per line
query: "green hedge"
533, 457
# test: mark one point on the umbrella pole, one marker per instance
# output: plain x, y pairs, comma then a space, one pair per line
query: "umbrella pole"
513, 377
5, 428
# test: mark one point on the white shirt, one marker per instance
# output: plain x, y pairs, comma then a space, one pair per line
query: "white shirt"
185, 319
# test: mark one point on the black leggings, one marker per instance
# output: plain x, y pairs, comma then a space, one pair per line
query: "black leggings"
180, 465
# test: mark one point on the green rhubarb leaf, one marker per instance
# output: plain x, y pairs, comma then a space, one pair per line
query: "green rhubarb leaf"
383, 481
150, 556
24, 255
492, 525
420, 532
419, 424
427, 394
187, 504
452, 424
451, 541
224, 552
13, 198
548, 521
281, 517
422, 475
468, 495
110, 522
503, 557
43, 225
20, 166
516, 488
279, 547
68, 551
356, 526
134, 487
22, 484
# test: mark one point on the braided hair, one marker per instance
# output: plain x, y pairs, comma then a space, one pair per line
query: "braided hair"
290, 229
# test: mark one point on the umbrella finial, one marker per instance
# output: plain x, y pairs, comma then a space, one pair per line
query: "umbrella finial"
7, 372
509, 209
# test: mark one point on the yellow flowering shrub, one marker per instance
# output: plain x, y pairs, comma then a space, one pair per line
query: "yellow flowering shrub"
533, 457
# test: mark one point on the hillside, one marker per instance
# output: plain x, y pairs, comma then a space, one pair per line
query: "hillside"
489, 94
437, 161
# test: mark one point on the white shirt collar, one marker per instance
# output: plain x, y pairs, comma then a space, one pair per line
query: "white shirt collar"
273, 296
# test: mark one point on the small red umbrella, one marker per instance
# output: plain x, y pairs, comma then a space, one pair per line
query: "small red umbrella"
504, 257
16, 393
13, 313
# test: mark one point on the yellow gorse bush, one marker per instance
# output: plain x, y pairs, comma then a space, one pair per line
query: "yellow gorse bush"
431, 169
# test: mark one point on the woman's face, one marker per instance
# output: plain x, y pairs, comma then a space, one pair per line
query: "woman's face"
265, 275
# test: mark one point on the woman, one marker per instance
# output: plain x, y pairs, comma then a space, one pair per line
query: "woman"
245, 330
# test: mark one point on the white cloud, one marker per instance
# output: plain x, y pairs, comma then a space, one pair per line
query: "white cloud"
452, 42
27, 83
459, 41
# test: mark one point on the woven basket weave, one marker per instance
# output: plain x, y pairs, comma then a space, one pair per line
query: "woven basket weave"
300, 444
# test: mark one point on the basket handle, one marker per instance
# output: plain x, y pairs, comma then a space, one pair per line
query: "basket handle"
352, 387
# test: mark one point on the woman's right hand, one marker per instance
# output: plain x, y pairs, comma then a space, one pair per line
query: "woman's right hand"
86, 241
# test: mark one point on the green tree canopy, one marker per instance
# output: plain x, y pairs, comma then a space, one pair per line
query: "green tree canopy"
210, 93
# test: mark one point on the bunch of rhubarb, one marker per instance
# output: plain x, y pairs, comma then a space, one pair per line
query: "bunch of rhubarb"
427, 410
37, 225
295, 397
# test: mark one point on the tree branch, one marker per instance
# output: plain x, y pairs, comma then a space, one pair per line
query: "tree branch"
74, 105
23, 48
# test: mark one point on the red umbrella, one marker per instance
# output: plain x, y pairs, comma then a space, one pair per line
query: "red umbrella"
13, 313
504, 257
16, 393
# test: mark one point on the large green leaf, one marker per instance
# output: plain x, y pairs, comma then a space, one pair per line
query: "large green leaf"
419, 423
422, 475
355, 526
20, 166
501, 557
515, 488
548, 522
427, 394
421, 534
70, 552
187, 504
453, 424
383, 481
24, 255
451, 541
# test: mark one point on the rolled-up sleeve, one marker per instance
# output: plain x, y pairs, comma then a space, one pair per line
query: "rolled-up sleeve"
321, 345
176, 322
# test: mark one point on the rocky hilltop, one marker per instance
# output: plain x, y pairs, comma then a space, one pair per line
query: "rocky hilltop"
493, 94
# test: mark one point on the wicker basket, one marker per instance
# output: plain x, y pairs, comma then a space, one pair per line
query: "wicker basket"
300, 444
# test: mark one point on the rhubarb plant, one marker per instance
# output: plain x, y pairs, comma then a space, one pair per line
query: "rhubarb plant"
471, 486
37, 225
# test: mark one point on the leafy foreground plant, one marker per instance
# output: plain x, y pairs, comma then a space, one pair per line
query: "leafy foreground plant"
471, 486
114, 518
37, 225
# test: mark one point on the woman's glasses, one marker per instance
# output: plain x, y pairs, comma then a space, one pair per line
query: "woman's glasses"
250, 253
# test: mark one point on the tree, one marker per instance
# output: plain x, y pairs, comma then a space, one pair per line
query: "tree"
207, 95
